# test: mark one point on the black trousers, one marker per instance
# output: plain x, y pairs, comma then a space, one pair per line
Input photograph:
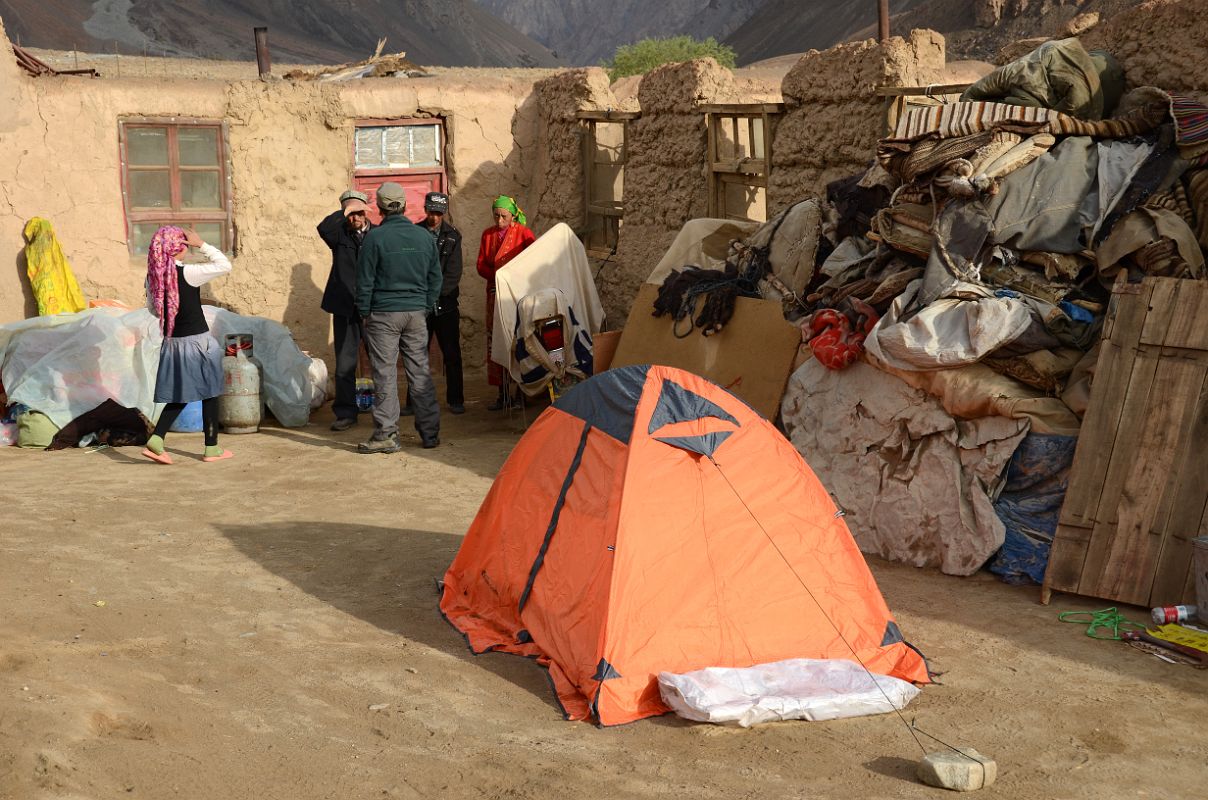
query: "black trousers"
209, 419
446, 327
347, 332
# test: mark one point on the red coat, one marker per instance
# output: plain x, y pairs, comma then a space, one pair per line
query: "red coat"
494, 251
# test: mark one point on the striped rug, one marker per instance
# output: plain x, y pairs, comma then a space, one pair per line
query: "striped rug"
969, 117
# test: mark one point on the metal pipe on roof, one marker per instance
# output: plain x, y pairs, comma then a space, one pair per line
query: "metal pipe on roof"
882, 20
263, 61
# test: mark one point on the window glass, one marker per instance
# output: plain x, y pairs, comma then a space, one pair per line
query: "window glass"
398, 147
147, 147
200, 190
425, 146
369, 147
198, 147
150, 189
210, 232
402, 146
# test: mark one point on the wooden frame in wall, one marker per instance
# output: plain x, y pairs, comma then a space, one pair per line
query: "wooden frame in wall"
603, 212
144, 169
739, 155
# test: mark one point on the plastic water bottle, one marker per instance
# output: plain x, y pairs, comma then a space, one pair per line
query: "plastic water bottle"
1167, 614
365, 392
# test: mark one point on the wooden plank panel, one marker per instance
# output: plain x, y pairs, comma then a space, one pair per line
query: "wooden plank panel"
1097, 438
1163, 304
1066, 556
1127, 448
1129, 557
1189, 499
1186, 327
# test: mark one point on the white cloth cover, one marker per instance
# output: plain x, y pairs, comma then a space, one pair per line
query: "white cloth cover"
557, 260
799, 688
916, 484
704, 243
68, 364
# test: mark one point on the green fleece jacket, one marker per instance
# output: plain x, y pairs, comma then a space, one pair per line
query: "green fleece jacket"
398, 268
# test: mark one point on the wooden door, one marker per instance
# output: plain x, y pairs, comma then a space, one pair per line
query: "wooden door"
1139, 483
415, 184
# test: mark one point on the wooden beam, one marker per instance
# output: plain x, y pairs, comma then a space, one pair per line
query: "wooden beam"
740, 166
609, 115
741, 109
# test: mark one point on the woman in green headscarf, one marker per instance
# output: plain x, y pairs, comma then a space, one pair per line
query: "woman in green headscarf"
501, 242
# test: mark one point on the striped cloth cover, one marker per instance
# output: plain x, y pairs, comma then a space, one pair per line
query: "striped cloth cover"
967, 117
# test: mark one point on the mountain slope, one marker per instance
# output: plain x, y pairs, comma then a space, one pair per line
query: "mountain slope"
588, 32
975, 29
435, 32
780, 27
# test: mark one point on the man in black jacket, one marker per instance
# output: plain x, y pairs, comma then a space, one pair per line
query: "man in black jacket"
343, 231
445, 324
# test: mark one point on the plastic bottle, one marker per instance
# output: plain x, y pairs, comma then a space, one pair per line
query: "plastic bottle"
365, 392
1164, 615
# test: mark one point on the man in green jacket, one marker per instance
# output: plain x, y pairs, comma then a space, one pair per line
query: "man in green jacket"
398, 284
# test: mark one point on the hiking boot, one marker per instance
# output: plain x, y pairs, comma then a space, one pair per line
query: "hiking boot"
388, 444
457, 408
343, 423
430, 443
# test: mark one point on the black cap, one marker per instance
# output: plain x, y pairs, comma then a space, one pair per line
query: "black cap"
436, 202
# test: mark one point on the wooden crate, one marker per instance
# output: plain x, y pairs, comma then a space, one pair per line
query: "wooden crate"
1139, 481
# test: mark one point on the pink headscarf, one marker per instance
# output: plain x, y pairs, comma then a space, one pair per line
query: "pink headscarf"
167, 243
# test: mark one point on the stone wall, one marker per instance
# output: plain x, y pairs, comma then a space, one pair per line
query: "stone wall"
1161, 43
665, 177
833, 117
558, 182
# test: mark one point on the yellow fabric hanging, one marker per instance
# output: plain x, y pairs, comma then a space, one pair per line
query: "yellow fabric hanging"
50, 276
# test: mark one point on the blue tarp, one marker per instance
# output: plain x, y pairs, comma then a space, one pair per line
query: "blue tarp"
1030, 504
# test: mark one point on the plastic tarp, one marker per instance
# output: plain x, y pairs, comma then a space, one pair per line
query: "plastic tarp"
950, 332
68, 364
917, 484
1030, 505
556, 260
799, 688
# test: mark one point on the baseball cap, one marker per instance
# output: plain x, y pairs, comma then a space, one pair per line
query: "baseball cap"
436, 202
353, 205
391, 197
353, 194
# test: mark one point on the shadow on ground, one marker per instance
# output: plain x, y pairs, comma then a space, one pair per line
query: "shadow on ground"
384, 576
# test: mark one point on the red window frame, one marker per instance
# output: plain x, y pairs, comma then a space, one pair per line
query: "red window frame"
175, 214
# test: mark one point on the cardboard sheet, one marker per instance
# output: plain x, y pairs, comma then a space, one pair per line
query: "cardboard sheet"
752, 357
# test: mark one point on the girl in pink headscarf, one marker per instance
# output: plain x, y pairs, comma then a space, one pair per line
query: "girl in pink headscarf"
190, 360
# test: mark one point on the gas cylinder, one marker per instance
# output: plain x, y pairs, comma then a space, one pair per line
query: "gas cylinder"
239, 406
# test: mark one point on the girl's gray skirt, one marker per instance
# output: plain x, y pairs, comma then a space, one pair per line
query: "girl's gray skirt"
190, 368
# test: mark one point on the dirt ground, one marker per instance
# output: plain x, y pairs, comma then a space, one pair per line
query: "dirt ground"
267, 628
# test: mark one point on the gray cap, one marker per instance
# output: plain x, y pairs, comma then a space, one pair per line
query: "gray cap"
391, 197
353, 194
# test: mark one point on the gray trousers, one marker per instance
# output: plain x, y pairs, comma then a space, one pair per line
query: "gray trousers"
385, 332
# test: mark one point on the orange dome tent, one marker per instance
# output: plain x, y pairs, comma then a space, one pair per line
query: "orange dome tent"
650, 521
